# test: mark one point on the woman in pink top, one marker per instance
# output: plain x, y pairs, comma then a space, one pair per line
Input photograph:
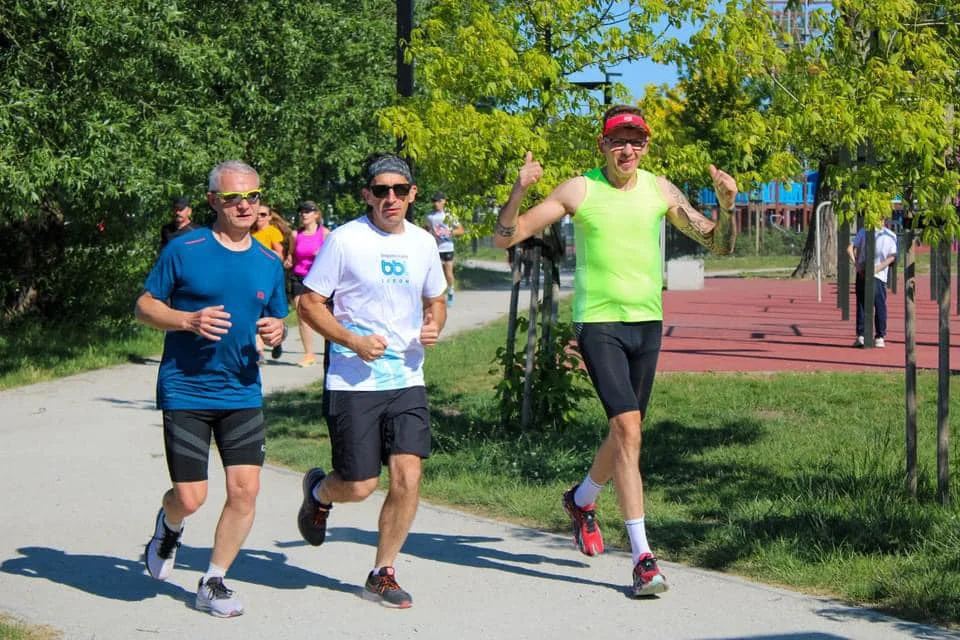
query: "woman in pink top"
306, 245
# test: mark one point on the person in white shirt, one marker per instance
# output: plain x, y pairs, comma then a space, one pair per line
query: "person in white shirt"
885, 255
444, 227
388, 305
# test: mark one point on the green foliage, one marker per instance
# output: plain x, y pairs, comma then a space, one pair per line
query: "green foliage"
108, 109
494, 79
557, 382
774, 241
868, 90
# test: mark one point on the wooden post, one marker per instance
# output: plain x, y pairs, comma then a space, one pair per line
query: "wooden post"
512, 313
943, 387
546, 327
526, 406
910, 357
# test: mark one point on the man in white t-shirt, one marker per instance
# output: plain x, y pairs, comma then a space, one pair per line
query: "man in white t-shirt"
389, 305
885, 255
444, 227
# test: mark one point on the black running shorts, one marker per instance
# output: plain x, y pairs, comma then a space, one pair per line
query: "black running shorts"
240, 435
446, 256
367, 427
621, 358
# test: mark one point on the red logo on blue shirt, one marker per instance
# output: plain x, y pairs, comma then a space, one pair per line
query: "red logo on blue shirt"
260, 295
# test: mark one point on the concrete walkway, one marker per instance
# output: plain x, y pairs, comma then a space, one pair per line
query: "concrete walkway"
82, 470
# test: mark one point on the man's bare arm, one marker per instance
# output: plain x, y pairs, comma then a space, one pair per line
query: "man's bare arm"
719, 236
512, 228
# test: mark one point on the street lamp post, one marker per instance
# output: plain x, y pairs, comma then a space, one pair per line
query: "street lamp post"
604, 84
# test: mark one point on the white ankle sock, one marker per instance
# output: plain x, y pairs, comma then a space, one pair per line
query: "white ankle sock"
170, 525
213, 571
638, 538
587, 492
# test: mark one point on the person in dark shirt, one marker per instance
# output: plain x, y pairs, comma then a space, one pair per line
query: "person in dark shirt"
181, 222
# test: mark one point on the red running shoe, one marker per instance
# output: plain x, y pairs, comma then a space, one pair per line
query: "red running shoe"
647, 578
586, 531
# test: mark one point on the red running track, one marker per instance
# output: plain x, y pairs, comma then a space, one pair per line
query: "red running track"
767, 324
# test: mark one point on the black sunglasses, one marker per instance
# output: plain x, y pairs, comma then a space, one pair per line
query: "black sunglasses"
381, 190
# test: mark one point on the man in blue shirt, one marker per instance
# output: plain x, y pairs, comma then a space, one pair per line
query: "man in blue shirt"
213, 290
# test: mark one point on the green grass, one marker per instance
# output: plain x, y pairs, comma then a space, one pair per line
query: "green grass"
32, 352
486, 253
748, 263
791, 479
11, 629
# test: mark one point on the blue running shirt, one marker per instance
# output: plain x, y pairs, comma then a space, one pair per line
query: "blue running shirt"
196, 271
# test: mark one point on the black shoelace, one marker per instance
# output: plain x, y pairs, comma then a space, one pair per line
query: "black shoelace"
169, 542
218, 590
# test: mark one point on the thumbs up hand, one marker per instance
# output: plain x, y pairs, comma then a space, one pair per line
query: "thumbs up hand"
530, 172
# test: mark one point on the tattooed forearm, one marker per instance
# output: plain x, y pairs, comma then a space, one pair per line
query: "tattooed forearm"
504, 230
724, 233
716, 235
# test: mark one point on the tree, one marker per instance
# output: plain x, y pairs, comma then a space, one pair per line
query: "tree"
108, 109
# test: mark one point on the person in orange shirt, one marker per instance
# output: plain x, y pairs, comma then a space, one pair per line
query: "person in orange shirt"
266, 233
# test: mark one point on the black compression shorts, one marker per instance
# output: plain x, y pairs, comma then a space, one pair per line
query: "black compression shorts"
621, 358
240, 435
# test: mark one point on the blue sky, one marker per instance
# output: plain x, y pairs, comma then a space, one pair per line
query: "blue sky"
636, 75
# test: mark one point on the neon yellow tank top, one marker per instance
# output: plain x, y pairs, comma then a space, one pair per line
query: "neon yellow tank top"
619, 275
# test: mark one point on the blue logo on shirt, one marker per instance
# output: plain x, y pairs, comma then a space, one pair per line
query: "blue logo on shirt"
393, 267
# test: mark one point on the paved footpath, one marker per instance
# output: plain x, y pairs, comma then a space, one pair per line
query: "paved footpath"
82, 470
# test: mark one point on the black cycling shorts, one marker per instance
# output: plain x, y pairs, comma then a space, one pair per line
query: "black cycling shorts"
240, 435
367, 427
621, 358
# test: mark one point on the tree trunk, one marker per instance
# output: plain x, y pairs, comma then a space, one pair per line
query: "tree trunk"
828, 237
910, 357
37, 246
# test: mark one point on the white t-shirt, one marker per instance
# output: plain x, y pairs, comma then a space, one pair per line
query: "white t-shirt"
443, 225
378, 282
886, 246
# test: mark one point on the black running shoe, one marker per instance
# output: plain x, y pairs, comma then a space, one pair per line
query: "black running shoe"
312, 517
382, 587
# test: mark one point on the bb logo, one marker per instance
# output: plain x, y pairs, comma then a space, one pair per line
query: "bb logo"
260, 295
393, 267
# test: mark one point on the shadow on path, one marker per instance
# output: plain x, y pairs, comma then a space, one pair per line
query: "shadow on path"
124, 579
465, 551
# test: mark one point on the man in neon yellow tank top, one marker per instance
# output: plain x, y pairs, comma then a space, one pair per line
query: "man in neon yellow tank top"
617, 310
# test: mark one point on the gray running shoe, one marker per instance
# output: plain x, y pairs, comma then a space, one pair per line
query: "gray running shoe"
382, 587
214, 597
161, 553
